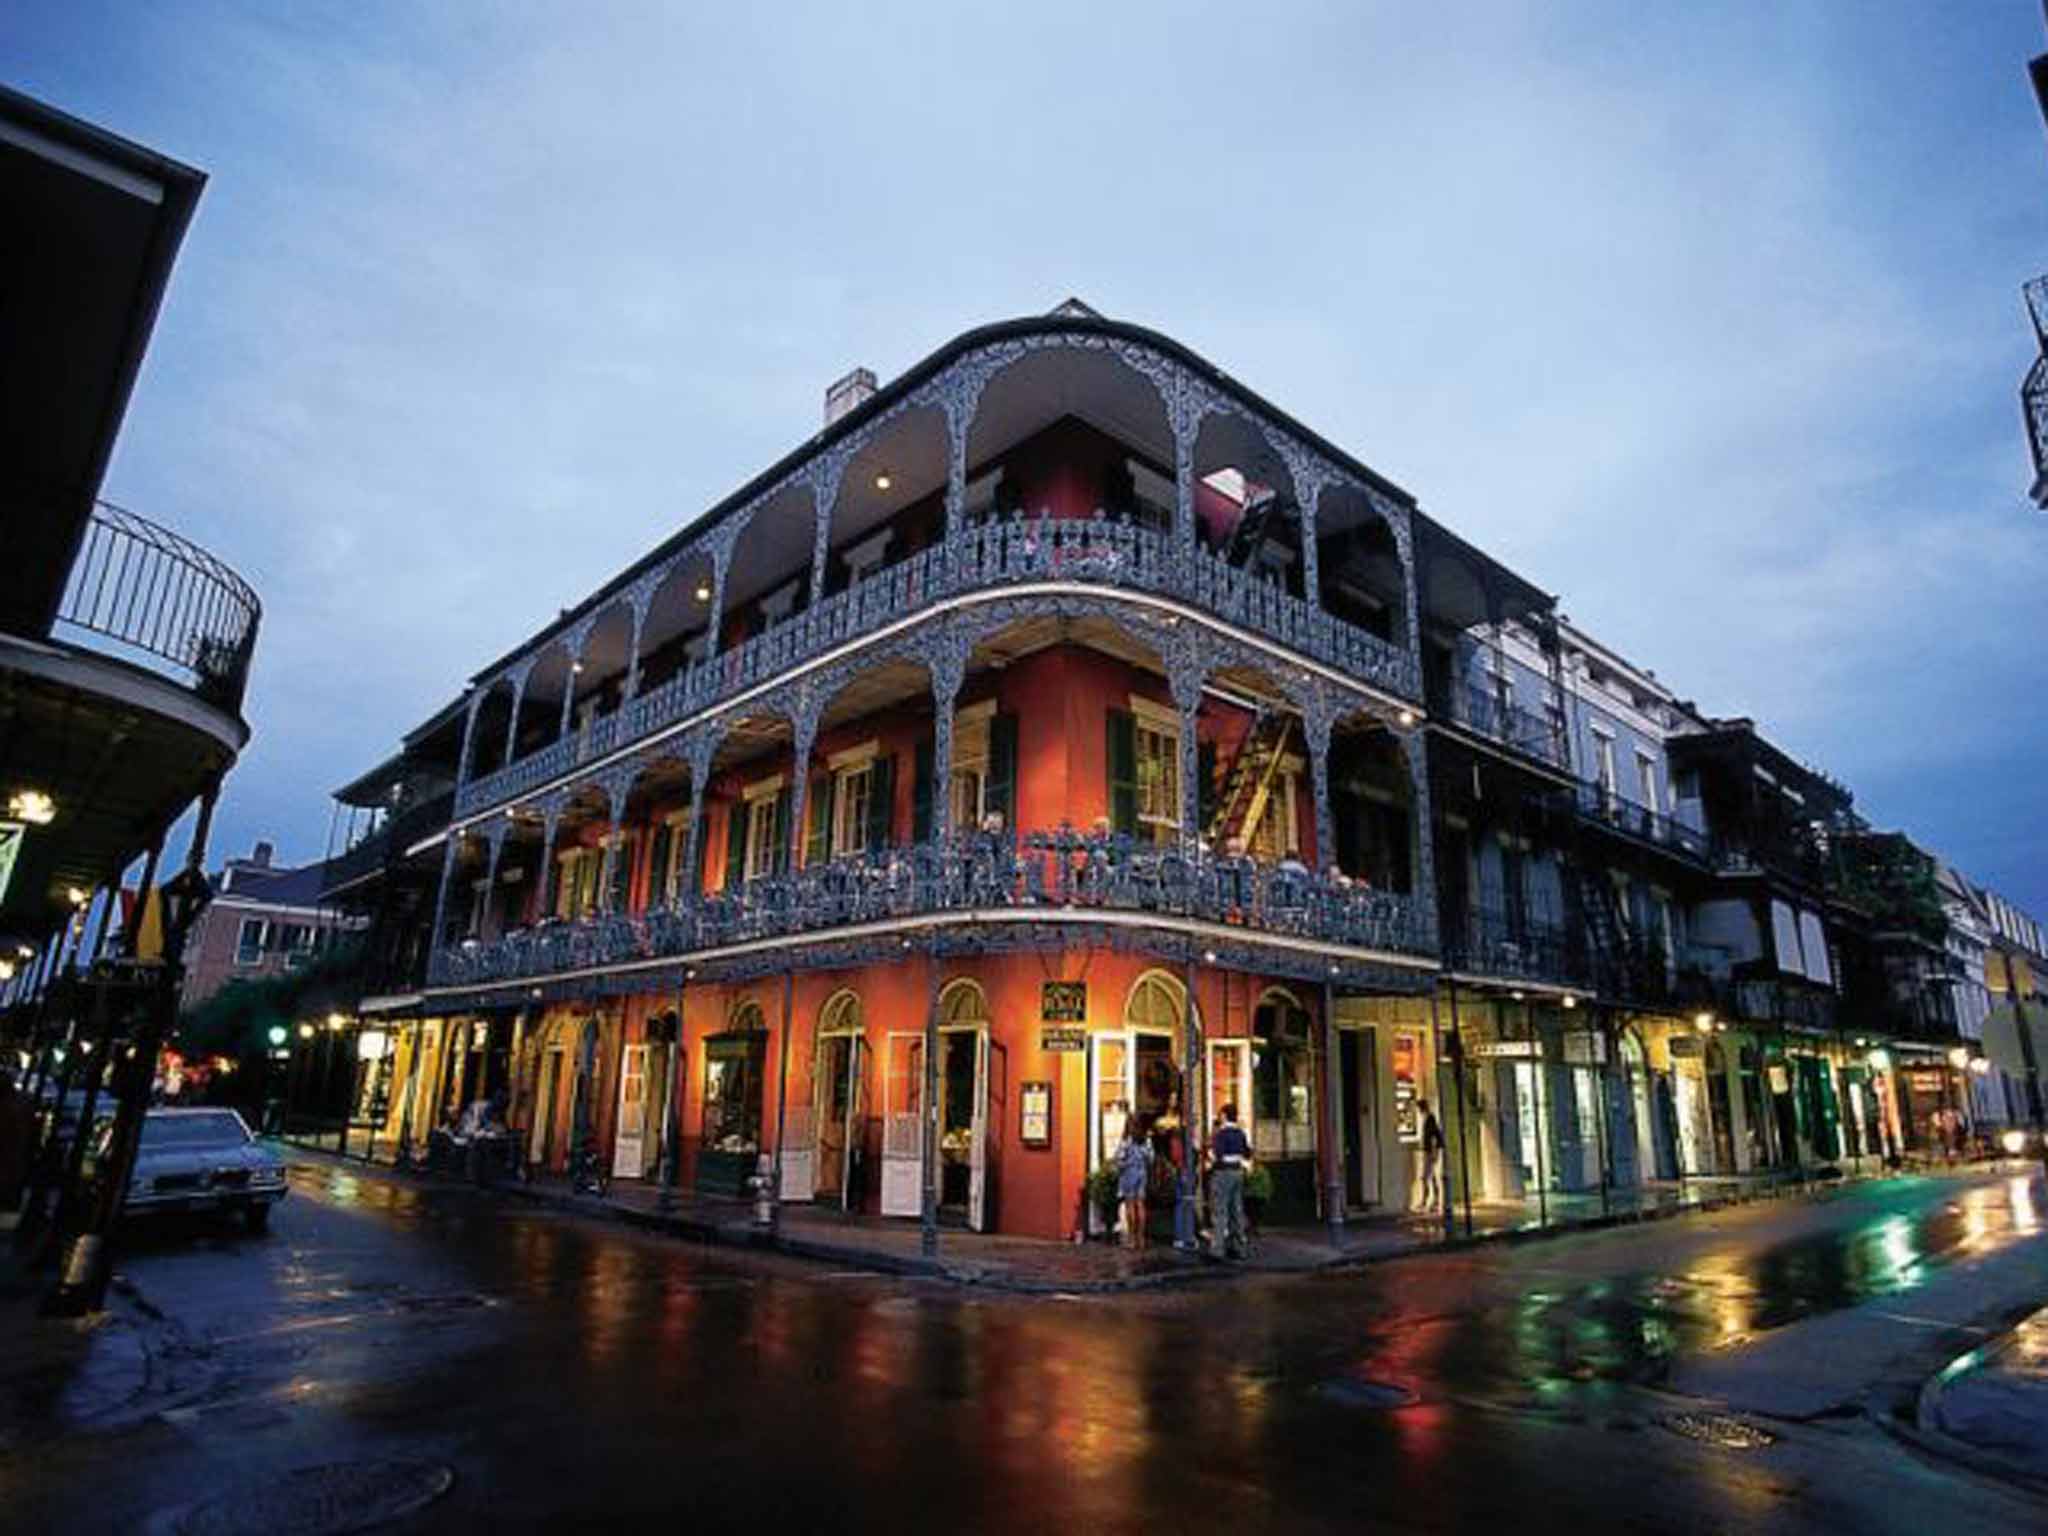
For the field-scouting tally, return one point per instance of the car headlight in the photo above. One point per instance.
(267, 1176)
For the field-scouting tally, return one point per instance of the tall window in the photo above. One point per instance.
(249, 942)
(763, 826)
(1158, 764)
(1646, 773)
(969, 789)
(853, 794)
(1603, 747)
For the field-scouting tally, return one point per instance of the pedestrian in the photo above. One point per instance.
(1432, 1158)
(1230, 1156)
(1133, 1173)
(14, 1138)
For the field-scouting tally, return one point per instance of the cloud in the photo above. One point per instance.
(1706, 319)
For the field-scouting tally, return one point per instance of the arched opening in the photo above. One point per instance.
(541, 713)
(654, 842)
(676, 632)
(1245, 509)
(599, 676)
(735, 1062)
(891, 501)
(970, 1088)
(838, 1102)
(1255, 784)
(574, 864)
(1283, 1112)
(1067, 432)
(769, 580)
(487, 736)
(1359, 565)
(1372, 807)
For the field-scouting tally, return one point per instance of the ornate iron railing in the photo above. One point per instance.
(1489, 941)
(160, 595)
(1602, 807)
(398, 831)
(1116, 554)
(1480, 711)
(1062, 871)
(2034, 408)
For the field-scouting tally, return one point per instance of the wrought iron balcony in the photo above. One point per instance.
(1063, 871)
(2034, 409)
(1601, 807)
(1483, 713)
(389, 841)
(163, 600)
(1116, 555)
(1492, 942)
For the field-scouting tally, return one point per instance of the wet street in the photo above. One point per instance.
(1716, 1373)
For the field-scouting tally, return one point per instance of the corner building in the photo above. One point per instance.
(1037, 749)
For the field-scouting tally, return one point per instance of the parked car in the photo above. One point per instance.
(204, 1160)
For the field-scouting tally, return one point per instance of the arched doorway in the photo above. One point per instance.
(735, 1063)
(972, 1082)
(646, 1072)
(823, 1159)
(1283, 1117)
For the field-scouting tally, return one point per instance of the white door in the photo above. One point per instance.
(977, 1147)
(1110, 1091)
(903, 1126)
(631, 1144)
(800, 1153)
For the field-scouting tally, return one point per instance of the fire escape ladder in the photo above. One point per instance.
(1605, 928)
(1249, 779)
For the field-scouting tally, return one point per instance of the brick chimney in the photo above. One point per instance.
(848, 394)
(261, 857)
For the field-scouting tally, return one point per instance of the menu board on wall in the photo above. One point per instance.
(1034, 1127)
(1407, 1085)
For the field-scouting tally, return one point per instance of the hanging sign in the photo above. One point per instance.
(1063, 1039)
(1518, 1050)
(1063, 1002)
(1034, 1114)
(1688, 1047)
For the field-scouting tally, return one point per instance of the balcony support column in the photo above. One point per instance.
(1186, 669)
(1186, 418)
(700, 751)
(551, 822)
(615, 796)
(494, 834)
(1422, 837)
(434, 938)
(803, 725)
(1318, 720)
(518, 676)
(947, 660)
(468, 757)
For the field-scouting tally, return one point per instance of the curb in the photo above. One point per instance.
(1921, 1432)
(744, 1235)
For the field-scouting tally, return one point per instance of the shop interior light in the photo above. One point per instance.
(1570, 1001)
(31, 806)
(1979, 1065)
(6, 970)
(1959, 1057)
(336, 1021)
(1703, 1022)
(79, 895)
(371, 1044)
(1880, 1060)
(2014, 1141)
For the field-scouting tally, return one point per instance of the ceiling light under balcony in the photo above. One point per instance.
(1406, 717)
(882, 481)
(31, 806)
(703, 593)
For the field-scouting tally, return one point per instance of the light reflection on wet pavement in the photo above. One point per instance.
(559, 1364)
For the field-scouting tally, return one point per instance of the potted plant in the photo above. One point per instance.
(1100, 1192)
(1258, 1190)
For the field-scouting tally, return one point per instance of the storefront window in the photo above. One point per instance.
(1283, 1077)
(732, 1093)
(1407, 1084)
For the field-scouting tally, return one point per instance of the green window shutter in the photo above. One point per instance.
(736, 846)
(1122, 760)
(921, 795)
(1205, 783)
(882, 803)
(818, 834)
(780, 862)
(657, 865)
(1002, 768)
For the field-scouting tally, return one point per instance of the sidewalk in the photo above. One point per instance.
(1990, 1408)
(1035, 1265)
(56, 1373)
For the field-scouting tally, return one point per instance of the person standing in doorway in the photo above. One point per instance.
(1230, 1155)
(1133, 1173)
(1432, 1159)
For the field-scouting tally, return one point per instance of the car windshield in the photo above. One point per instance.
(212, 1129)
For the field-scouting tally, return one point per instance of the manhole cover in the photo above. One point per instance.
(1722, 1429)
(316, 1501)
(1359, 1392)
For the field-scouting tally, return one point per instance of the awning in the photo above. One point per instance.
(2002, 1043)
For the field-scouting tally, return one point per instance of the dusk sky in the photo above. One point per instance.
(1706, 318)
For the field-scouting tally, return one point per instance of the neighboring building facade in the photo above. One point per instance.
(262, 922)
(1064, 739)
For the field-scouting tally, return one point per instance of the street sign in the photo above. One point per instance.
(1062, 1039)
(1063, 1002)
(1517, 1050)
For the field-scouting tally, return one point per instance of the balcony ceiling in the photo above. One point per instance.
(120, 751)
(98, 221)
